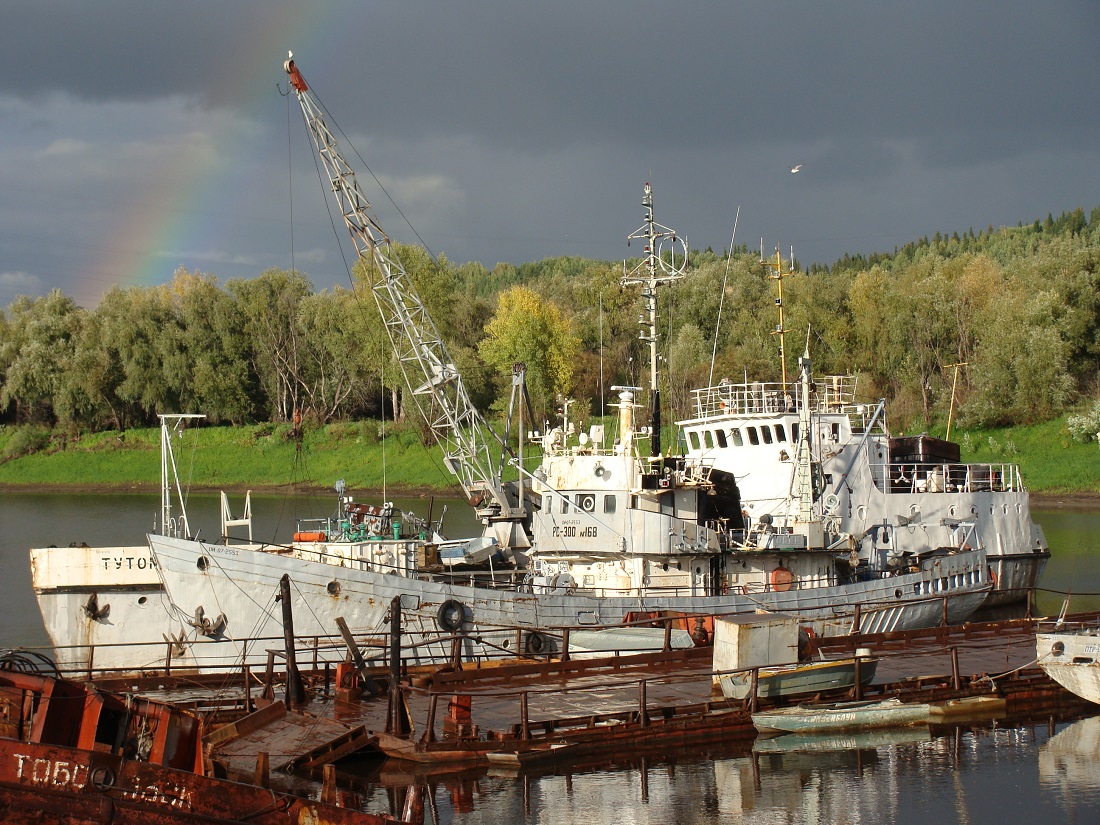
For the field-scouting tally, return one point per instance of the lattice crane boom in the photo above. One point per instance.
(437, 389)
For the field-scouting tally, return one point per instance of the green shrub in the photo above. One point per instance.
(1085, 426)
(26, 441)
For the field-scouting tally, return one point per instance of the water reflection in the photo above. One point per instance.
(1074, 538)
(1012, 775)
(1067, 761)
(1009, 775)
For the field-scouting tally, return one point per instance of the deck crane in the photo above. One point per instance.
(454, 421)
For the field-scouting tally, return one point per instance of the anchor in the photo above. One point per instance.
(210, 629)
(179, 644)
(93, 611)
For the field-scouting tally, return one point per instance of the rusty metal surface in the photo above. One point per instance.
(515, 713)
(51, 784)
(290, 739)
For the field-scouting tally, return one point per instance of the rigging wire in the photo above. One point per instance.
(722, 299)
(355, 291)
(382, 392)
(602, 390)
(290, 181)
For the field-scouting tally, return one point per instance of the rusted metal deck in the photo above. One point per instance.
(550, 710)
(541, 709)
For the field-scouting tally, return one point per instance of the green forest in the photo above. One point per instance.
(1016, 308)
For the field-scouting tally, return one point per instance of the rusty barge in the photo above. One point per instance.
(71, 753)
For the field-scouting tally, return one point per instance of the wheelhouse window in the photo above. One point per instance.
(754, 438)
(735, 434)
(766, 434)
(720, 437)
(609, 504)
(708, 440)
(780, 433)
(693, 437)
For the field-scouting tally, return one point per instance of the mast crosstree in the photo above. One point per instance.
(652, 271)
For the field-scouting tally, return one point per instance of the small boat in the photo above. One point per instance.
(70, 753)
(968, 707)
(792, 680)
(841, 716)
(1071, 657)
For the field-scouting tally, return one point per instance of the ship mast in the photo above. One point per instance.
(172, 424)
(651, 272)
(780, 329)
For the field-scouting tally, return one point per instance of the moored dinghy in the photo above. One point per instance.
(841, 716)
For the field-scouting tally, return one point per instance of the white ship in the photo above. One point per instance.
(106, 608)
(598, 532)
(1071, 657)
(898, 497)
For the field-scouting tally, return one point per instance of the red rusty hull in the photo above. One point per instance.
(52, 785)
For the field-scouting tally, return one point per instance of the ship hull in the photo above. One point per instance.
(242, 583)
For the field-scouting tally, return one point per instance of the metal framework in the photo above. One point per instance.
(652, 271)
(438, 391)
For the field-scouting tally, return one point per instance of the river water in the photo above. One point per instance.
(1034, 774)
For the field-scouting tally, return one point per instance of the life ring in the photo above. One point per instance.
(535, 643)
(781, 578)
(992, 576)
(451, 615)
(102, 778)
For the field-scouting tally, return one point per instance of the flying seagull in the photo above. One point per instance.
(795, 168)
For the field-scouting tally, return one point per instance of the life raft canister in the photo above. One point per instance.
(781, 578)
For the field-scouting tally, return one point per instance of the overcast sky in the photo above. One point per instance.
(138, 137)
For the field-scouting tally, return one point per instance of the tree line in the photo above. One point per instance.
(1016, 308)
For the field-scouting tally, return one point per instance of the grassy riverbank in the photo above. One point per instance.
(267, 456)
(231, 458)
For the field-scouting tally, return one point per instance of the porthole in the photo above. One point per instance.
(203, 563)
(333, 588)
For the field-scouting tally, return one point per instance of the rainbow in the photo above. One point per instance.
(182, 212)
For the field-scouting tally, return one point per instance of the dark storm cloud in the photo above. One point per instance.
(513, 131)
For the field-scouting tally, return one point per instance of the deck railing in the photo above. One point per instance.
(832, 393)
(927, 477)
